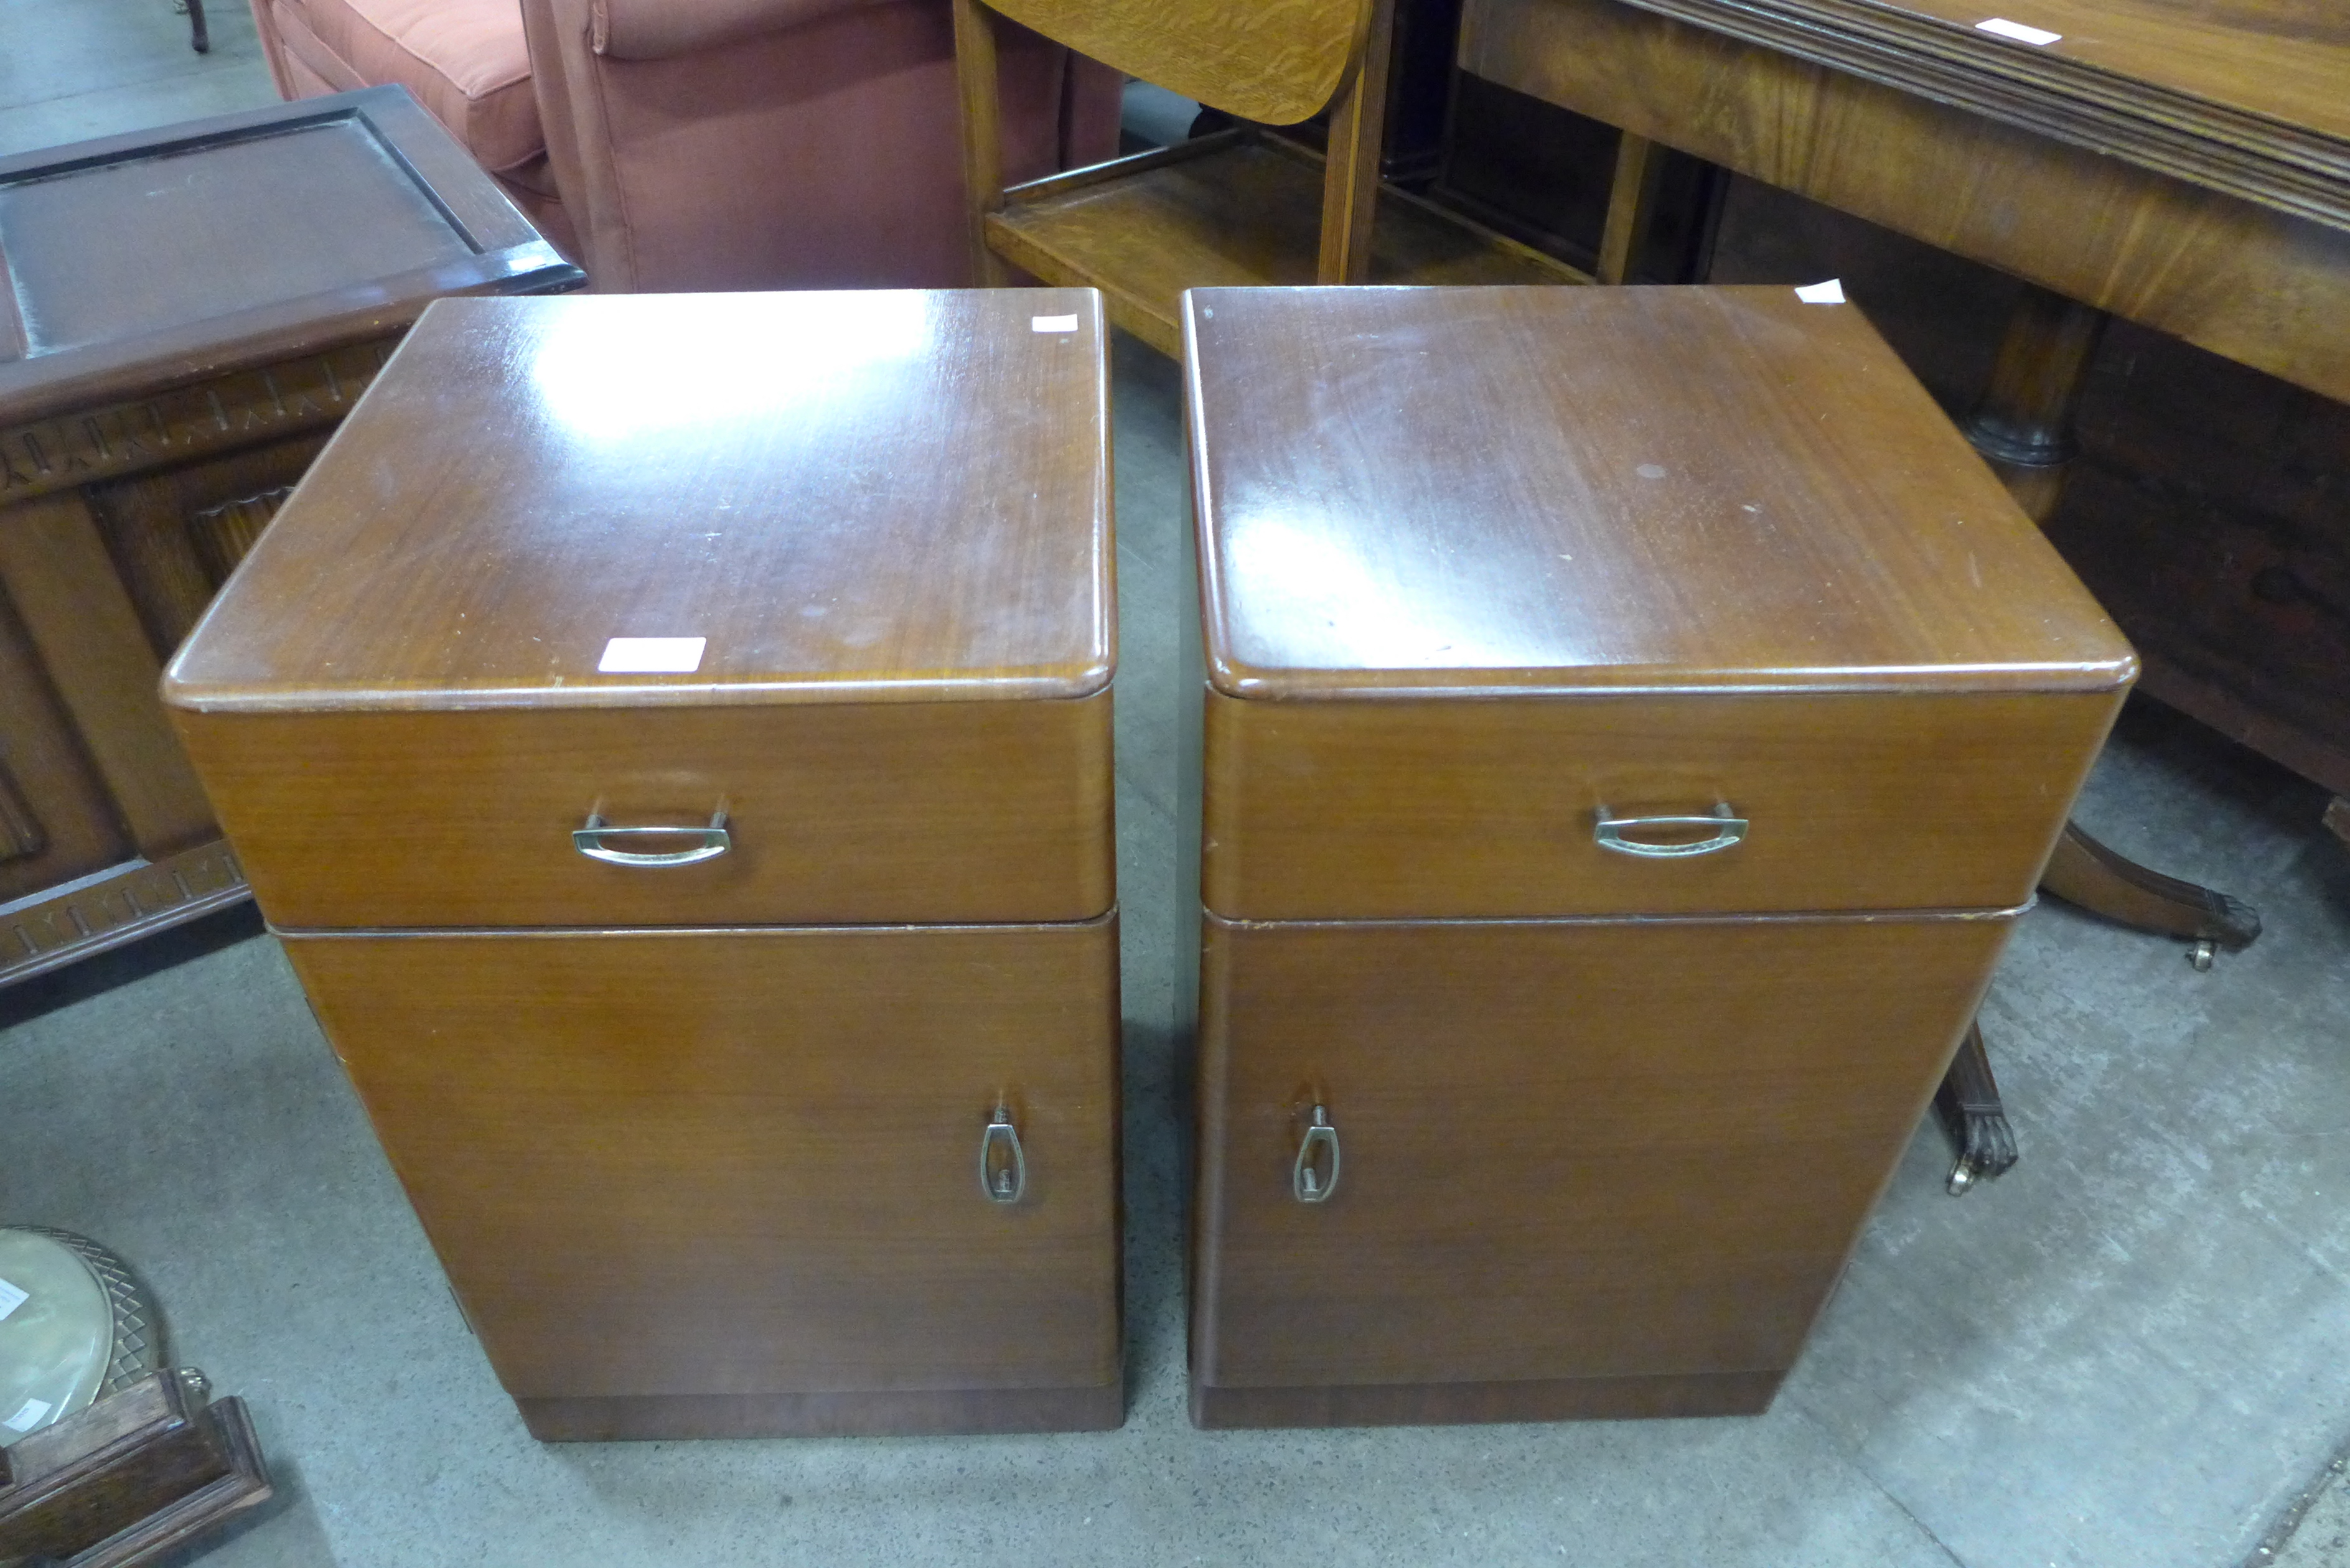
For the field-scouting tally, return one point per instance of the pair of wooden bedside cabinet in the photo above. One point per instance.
(671, 736)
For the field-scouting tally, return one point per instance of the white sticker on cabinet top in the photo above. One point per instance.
(2018, 31)
(1052, 324)
(11, 1298)
(652, 655)
(1828, 293)
(27, 1417)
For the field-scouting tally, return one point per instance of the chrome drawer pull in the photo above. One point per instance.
(1310, 1185)
(595, 841)
(1609, 834)
(1003, 1167)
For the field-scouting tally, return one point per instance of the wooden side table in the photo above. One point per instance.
(188, 312)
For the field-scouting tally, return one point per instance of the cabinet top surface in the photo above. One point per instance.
(765, 498)
(1554, 490)
(137, 261)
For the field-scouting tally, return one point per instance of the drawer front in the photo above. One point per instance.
(1462, 809)
(1564, 1150)
(746, 1163)
(919, 812)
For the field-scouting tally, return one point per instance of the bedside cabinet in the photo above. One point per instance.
(672, 735)
(1634, 721)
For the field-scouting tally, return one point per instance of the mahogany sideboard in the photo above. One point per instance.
(187, 314)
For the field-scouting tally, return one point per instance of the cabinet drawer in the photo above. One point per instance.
(746, 1163)
(1566, 1150)
(1453, 808)
(836, 813)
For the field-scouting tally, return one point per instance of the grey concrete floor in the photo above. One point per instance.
(2131, 1352)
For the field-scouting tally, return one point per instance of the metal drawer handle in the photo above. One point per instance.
(1312, 1185)
(1002, 1166)
(1610, 833)
(595, 841)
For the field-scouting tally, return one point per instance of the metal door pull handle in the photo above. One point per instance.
(595, 841)
(1312, 1185)
(1002, 1165)
(1613, 833)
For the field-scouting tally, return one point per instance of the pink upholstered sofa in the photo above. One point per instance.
(711, 144)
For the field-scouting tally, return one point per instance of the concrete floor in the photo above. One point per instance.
(2128, 1353)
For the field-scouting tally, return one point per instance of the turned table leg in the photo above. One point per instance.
(2023, 428)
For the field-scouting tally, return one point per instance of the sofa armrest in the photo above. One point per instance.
(662, 29)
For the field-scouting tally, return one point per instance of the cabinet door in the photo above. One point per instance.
(1562, 1150)
(750, 1162)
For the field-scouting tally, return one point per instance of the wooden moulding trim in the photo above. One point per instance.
(879, 1413)
(120, 904)
(2263, 161)
(221, 414)
(1440, 1404)
(570, 933)
(1614, 922)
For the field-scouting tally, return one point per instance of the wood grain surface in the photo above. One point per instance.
(852, 497)
(1518, 491)
(1440, 808)
(2251, 262)
(745, 1163)
(1604, 1149)
(1275, 61)
(1247, 212)
(56, 570)
(853, 813)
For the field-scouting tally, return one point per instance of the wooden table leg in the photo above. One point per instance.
(200, 39)
(2023, 428)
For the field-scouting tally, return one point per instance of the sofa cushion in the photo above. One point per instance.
(464, 61)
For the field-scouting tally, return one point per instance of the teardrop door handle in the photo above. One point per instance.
(1003, 1163)
(1316, 1175)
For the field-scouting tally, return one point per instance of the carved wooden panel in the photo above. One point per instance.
(228, 411)
(175, 533)
(54, 811)
(39, 933)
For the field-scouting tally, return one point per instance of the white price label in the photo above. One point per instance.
(2018, 31)
(652, 655)
(11, 1298)
(1828, 293)
(1053, 323)
(28, 1415)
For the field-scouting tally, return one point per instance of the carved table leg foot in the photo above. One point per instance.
(2085, 872)
(1968, 1105)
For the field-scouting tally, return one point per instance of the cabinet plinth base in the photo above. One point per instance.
(947, 1412)
(1449, 1404)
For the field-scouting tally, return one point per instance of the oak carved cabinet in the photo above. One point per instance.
(1633, 722)
(185, 312)
(672, 735)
